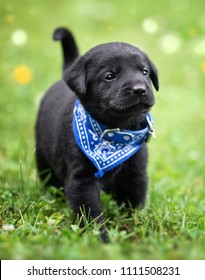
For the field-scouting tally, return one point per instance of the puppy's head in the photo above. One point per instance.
(113, 82)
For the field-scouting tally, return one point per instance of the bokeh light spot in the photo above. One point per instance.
(19, 37)
(170, 43)
(179, 5)
(199, 47)
(9, 7)
(150, 25)
(101, 10)
(10, 108)
(33, 11)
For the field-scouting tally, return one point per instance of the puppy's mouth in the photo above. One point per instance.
(133, 110)
(131, 105)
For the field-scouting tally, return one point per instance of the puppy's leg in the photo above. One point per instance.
(132, 191)
(84, 195)
(131, 184)
(46, 174)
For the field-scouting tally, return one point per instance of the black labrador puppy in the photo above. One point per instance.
(93, 125)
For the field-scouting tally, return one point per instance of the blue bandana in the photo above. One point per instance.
(107, 148)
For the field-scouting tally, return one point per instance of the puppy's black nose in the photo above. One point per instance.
(139, 89)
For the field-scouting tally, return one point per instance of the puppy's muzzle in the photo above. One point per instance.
(141, 93)
(139, 89)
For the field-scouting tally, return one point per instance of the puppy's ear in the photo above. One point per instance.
(154, 75)
(75, 77)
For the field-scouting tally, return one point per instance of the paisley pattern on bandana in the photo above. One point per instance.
(106, 148)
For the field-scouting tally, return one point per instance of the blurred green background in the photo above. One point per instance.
(173, 34)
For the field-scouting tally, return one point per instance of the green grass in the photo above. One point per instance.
(34, 223)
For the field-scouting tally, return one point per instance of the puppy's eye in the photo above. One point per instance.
(145, 72)
(109, 76)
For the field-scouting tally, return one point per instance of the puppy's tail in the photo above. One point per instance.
(70, 50)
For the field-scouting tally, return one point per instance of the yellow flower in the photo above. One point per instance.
(109, 27)
(192, 32)
(203, 67)
(22, 74)
(9, 18)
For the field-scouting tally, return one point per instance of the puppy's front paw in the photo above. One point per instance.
(104, 236)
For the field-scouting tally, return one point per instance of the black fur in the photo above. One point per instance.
(113, 82)
(70, 50)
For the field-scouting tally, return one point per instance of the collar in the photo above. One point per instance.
(107, 148)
